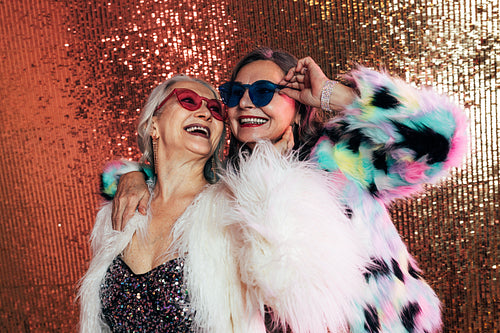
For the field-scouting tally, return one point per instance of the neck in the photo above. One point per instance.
(179, 179)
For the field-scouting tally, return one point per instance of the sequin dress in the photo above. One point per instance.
(156, 301)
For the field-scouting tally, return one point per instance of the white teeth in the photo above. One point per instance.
(197, 128)
(252, 121)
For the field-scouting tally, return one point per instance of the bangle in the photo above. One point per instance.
(326, 92)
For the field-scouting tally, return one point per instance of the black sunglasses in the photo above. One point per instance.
(261, 92)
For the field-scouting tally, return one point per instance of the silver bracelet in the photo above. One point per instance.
(326, 92)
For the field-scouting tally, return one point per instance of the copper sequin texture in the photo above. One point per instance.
(74, 75)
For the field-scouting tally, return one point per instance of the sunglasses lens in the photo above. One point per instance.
(189, 100)
(225, 92)
(262, 92)
(216, 109)
(231, 93)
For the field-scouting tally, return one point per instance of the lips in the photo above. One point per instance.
(251, 121)
(199, 130)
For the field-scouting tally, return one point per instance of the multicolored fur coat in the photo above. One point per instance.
(386, 145)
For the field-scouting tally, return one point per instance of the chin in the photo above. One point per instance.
(252, 136)
(250, 140)
(201, 150)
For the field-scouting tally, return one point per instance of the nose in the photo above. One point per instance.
(246, 101)
(203, 112)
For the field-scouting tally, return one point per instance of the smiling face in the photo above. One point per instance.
(182, 132)
(250, 123)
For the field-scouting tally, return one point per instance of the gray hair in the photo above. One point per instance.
(146, 122)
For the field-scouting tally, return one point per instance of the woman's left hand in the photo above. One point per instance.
(286, 143)
(307, 79)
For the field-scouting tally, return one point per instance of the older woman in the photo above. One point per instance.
(135, 282)
(388, 141)
(194, 263)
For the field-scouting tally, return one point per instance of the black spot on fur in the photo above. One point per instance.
(373, 189)
(335, 133)
(340, 132)
(355, 138)
(348, 212)
(413, 272)
(379, 161)
(424, 141)
(372, 324)
(354, 143)
(397, 270)
(408, 314)
(383, 99)
(377, 268)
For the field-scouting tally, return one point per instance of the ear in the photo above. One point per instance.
(155, 132)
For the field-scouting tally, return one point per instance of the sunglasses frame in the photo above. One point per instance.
(227, 88)
(199, 102)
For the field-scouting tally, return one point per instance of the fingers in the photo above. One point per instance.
(286, 143)
(294, 76)
(294, 83)
(128, 213)
(290, 140)
(143, 204)
(117, 213)
(132, 193)
(124, 208)
(292, 92)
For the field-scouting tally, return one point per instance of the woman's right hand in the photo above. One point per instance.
(132, 193)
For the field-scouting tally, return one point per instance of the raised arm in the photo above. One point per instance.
(314, 87)
(393, 138)
(125, 182)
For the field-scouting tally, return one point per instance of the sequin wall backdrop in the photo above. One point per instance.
(74, 74)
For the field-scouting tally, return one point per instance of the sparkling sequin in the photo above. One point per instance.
(156, 301)
(75, 74)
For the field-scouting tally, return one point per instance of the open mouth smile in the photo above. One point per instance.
(198, 130)
(250, 121)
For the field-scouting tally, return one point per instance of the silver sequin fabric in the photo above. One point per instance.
(156, 301)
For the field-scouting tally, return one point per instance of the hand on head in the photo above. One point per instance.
(305, 82)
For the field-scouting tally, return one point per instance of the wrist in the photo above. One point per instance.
(326, 93)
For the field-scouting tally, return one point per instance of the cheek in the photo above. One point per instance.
(218, 132)
(232, 120)
(231, 114)
(283, 111)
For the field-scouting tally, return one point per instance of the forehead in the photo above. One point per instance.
(260, 70)
(197, 87)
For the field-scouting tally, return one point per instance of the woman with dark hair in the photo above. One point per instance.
(388, 140)
(190, 265)
(311, 120)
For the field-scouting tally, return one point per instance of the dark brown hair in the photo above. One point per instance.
(311, 119)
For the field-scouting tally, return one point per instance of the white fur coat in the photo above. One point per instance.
(272, 233)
